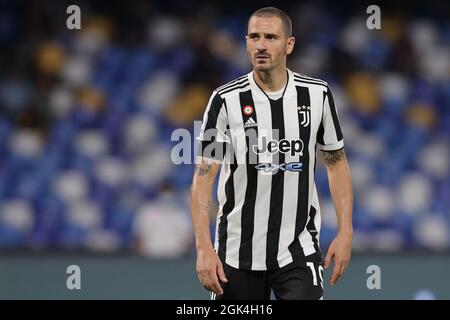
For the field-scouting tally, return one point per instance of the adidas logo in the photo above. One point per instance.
(250, 123)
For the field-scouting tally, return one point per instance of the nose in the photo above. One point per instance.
(261, 46)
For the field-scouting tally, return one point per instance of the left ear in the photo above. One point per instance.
(290, 45)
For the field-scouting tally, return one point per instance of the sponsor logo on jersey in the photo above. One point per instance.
(284, 146)
(250, 123)
(270, 167)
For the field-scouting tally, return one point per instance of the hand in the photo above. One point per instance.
(210, 270)
(339, 250)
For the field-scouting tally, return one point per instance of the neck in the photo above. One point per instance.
(273, 80)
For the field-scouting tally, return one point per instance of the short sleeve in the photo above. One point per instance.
(213, 135)
(329, 135)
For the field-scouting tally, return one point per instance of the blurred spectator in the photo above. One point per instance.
(163, 228)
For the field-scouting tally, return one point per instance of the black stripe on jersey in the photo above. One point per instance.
(235, 87)
(302, 82)
(311, 227)
(216, 150)
(303, 99)
(299, 77)
(230, 83)
(211, 131)
(248, 209)
(234, 83)
(337, 127)
(320, 133)
(213, 112)
(227, 208)
(277, 190)
(321, 130)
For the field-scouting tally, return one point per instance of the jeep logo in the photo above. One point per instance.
(283, 146)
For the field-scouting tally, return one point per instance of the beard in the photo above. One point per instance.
(259, 67)
(266, 66)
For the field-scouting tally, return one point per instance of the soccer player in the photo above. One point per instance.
(268, 222)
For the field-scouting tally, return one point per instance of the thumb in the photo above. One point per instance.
(221, 273)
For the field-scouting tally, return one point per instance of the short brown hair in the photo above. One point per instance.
(272, 11)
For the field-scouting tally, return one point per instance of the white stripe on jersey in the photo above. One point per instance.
(316, 95)
(290, 180)
(263, 189)
(240, 185)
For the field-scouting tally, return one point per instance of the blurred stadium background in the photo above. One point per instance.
(86, 117)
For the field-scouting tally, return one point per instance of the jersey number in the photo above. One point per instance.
(313, 271)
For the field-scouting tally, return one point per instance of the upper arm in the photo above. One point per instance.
(205, 170)
(332, 158)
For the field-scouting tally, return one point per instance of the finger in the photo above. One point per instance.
(205, 281)
(341, 271)
(328, 258)
(336, 270)
(344, 268)
(215, 285)
(221, 273)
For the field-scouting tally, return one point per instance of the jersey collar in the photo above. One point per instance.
(259, 93)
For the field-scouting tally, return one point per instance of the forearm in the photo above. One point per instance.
(340, 184)
(201, 202)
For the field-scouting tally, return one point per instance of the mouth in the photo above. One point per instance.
(261, 57)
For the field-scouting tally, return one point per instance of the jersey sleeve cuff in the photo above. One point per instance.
(331, 147)
(218, 138)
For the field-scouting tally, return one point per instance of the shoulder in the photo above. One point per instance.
(232, 87)
(300, 79)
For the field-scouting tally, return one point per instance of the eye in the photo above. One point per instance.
(253, 36)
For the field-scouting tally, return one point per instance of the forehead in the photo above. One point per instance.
(269, 24)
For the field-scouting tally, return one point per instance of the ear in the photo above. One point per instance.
(290, 45)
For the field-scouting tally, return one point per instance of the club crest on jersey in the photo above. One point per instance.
(248, 110)
(304, 112)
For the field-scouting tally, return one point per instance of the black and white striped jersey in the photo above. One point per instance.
(269, 211)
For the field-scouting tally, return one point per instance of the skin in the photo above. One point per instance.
(209, 267)
(268, 47)
(340, 184)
